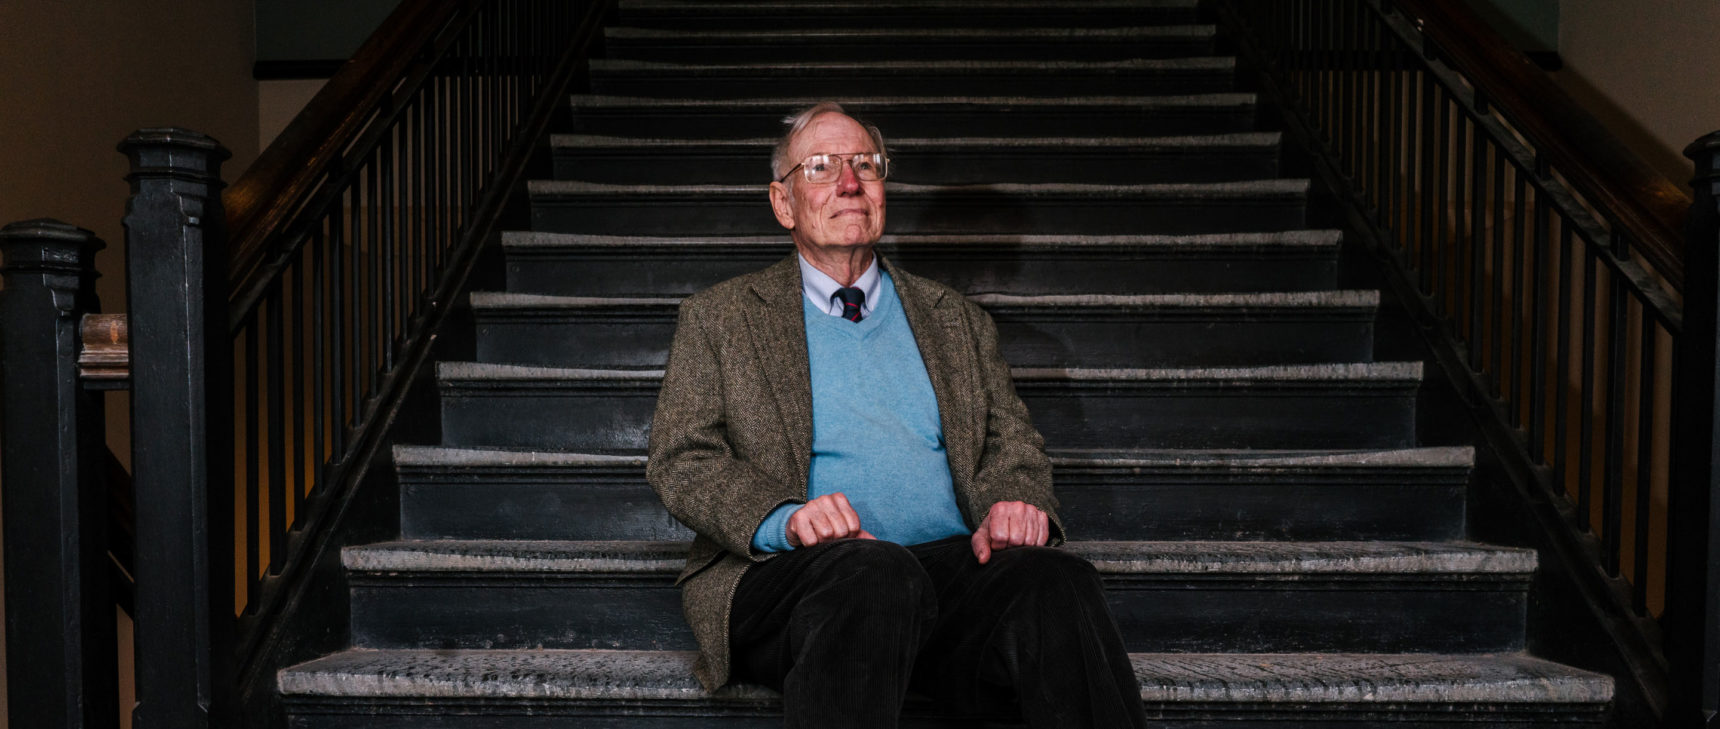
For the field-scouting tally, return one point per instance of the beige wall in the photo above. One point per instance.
(1648, 70)
(77, 76)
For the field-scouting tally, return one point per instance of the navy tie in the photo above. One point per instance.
(851, 298)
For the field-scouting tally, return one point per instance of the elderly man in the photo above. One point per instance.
(871, 502)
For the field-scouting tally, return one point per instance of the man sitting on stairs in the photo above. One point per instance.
(871, 502)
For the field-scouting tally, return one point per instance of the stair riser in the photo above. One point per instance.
(994, 269)
(1217, 339)
(640, 214)
(801, 49)
(1168, 509)
(1171, 614)
(569, 417)
(717, 17)
(779, 81)
(898, 122)
(1328, 416)
(955, 166)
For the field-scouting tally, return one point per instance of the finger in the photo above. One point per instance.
(845, 510)
(1044, 529)
(981, 547)
(805, 533)
(863, 534)
(825, 525)
(1018, 526)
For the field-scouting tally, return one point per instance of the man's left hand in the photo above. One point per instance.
(1010, 524)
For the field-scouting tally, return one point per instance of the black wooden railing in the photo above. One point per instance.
(274, 331)
(1554, 264)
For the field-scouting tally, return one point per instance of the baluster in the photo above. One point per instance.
(1692, 615)
(182, 428)
(59, 612)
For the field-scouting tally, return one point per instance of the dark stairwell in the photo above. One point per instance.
(1284, 539)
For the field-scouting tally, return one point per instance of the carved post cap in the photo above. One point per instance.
(174, 152)
(1705, 152)
(44, 244)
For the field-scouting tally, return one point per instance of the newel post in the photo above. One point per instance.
(182, 429)
(61, 667)
(1692, 616)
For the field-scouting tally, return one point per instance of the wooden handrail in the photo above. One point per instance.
(276, 185)
(1644, 204)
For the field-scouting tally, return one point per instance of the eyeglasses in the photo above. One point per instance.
(823, 169)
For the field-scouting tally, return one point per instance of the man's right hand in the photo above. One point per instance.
(823, 519)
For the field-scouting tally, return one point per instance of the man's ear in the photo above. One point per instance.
(780, 204)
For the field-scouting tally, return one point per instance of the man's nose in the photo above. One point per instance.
(849, 182)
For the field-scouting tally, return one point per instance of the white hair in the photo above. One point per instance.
(797, 122)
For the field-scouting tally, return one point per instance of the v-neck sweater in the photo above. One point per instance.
(876, 436)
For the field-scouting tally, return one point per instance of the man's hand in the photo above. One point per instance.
(1010, 524)
(823, 519)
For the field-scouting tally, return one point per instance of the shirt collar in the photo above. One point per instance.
(820, 288)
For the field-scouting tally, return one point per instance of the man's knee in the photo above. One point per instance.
(873, 571)
(1047, 571)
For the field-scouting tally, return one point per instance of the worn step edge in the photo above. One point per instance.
(1242, 140)
(1325, 241)
(788, 103)
(1224, 64)
(880, 5)
(1299, 678)
(1353, 374)
(1153, 32)
(1243, 190)
(497, 303)
(1115, 558)
(1437, 457)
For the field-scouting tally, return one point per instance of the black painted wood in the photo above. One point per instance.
(914, 78)
(182, 430)
(839, 44)
(901, 13)
(61, 648)
(578, 265)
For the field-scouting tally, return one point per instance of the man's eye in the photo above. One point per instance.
(863, 164)
(818, 164)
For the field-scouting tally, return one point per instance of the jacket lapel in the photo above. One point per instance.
(937, 324)
(776, 324)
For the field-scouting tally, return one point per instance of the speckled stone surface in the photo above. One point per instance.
(1316, 239)
(1442, 457)
(1352, 372)
(482, 372)
(1165, 678)
(1111, 558)
(432, 456)
(1250, 140)
(1073, 5)
(1248, 189)
(501, 301)
(949, 68)
(1078, 305)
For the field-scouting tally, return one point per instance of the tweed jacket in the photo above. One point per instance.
(731, 439)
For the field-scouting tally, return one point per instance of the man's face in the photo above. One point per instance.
(826, 218)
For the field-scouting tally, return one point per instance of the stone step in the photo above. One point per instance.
(1201, 75)
(1154, 330)
(768, 14)
(904, 43)
(1410, 494)
(594, 265)
(539, 689)
(1166, 596)
(923, 116)
(933, 161)
(563, 206)
(1350, 406)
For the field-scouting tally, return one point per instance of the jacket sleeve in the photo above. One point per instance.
(693, 465)
(1012, 462)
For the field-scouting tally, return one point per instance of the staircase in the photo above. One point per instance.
(1279, 548)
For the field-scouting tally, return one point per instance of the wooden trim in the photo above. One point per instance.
(1640, 202)
(106, 351)
(286, 173)
(316, 69)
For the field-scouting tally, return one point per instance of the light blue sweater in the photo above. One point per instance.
(876, 437)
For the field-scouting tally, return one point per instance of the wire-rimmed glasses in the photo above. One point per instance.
(823, 169)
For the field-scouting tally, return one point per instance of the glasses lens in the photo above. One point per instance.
(826, 168)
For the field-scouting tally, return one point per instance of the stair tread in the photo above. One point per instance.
(1350, 372)
(1134, 144)
(1096, 33)
(1316, 239)
(421, 456)
(879, 5)
(781, 103)
(1197, 63)
(1116, 558)
(1343, 299)
(1245, 188)
(1317, 678)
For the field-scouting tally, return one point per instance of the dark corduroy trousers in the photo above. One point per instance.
(845, 629)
